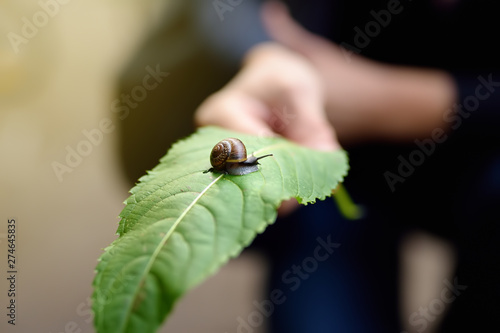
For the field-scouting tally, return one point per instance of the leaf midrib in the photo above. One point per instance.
(161, 244)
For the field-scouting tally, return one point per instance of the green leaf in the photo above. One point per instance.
(180, 224)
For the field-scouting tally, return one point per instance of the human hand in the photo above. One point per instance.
(277, 92)
(366, 99)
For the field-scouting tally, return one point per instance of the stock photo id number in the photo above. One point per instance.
(11, 271)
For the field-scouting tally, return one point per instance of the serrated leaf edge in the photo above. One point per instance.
(162, 243)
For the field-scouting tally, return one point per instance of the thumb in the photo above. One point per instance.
(286, 31)
(283, 28)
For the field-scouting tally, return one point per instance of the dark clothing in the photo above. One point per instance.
(449, 186)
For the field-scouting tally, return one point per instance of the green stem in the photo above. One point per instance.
(346, 206)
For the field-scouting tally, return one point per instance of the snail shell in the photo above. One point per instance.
(230, 150)
(230, 156)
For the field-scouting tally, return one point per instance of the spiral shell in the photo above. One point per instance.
(229, 150)
(229, 156)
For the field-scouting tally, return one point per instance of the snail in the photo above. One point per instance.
(230, 156)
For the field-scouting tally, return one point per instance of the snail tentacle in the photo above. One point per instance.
(229, 156)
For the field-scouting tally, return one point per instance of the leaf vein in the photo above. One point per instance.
(162, 242)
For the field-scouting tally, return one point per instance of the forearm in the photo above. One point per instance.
(415, 102)
(399, 103)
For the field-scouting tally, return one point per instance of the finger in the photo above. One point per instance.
(311, 128)
(295, 107)
(235, 111)
(281, 26)
(285, 30)
(287, 207)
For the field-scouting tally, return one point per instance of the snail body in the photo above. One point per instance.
(230, 156)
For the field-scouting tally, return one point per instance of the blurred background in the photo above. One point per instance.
(59, 76)
(79, 124)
